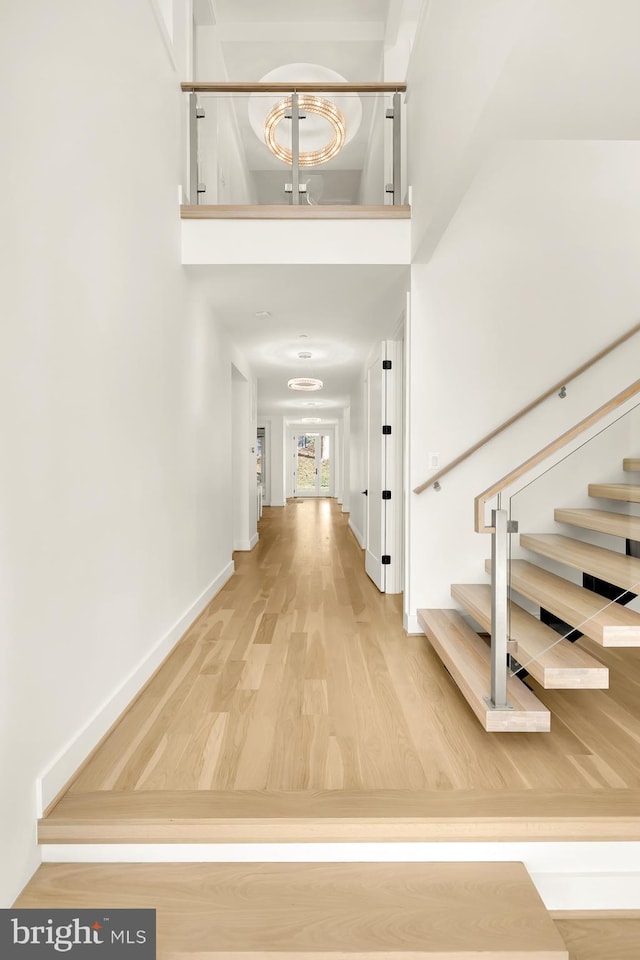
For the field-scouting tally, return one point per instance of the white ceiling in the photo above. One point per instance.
(288, 11)
(342, 310)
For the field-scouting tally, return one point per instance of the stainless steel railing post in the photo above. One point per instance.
(295, 149)
(499, 609)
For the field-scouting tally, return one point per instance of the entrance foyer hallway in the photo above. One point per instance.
(296, 706)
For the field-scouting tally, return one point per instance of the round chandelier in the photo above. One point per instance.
(327, 122)
(307, 103)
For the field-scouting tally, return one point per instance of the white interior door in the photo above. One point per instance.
(375, 511)
(383, 552)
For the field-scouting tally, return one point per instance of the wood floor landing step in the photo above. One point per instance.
(629, 492)
(320, 911)
(602, 521)
(551, 660)
(610, 625)
(468, 660)
(616, 568)
(631, 464)
(334, 816)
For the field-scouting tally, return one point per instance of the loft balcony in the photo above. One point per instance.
(296, 173)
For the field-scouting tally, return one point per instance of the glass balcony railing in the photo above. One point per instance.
(270, 145)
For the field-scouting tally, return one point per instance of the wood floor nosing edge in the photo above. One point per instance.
(291, 831)
(343, 816)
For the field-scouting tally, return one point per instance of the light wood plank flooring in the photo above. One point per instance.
(360, 907)
(416, 911)
(299, 678)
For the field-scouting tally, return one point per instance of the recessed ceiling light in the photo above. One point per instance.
(305, 355)
(311, 419)
(263, 315)
(312, 403)
(304, 383)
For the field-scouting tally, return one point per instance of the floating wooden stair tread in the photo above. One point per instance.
(611, 626)
(631, 464)
(468, 660)
(606, 564)
(616, 524)
(551, 660)
(324, 911)
(629, 492)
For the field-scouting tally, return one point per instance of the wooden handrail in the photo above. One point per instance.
(530, 406)
(482, 498)
(279, 211)
(293, 87)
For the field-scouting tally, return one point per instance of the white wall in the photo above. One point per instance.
(357, 459)
(525, 222)
(535, 274)
(296, 241)
(274, 426)
(458, 56)
(115, 392)
(345, 440)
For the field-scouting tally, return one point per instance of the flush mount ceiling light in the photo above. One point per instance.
(312, 420)
(305, 355)
(326, 123)
(304, 383)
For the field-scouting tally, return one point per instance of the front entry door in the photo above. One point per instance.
(312, 465)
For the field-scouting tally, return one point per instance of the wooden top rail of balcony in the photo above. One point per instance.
(293, 87)
(521, 413)
(277, 211)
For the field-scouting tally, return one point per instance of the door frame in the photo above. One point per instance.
(388, 578)
(297, 429)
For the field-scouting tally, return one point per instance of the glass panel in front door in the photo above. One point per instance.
(325, 483)
(306, 472)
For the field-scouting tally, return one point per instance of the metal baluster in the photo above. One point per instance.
(395, 114)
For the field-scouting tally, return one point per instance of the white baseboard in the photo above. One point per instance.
(245, 545)
(356, 534)
(603, 875)
(411, 625)
(53, 778)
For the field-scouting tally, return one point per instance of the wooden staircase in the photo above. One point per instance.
(550, 659)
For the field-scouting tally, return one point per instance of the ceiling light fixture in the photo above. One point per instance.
(305, 355)
(312, 420)
(263, 315)
(304, 383)
(307, 103)
(327, 123)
